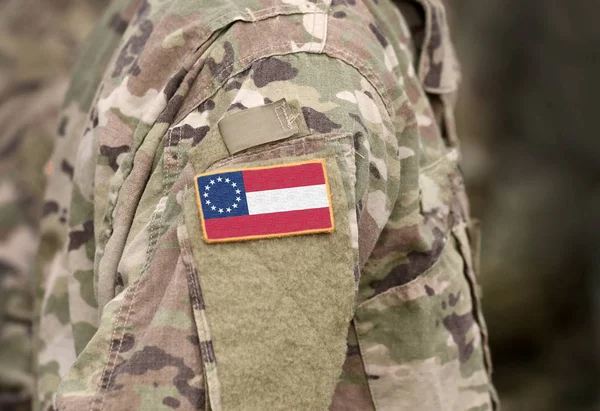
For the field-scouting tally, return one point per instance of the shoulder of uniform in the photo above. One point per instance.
(211, 43)
(352, 36)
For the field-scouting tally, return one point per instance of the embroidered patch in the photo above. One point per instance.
(262, 202)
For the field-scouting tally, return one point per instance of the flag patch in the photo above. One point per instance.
(262, 202)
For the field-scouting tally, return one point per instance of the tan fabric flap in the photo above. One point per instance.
(259, 125)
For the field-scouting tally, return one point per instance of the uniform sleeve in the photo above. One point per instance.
(288, 299)
(237, 279)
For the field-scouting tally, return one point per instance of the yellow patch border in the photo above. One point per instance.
(257, 237)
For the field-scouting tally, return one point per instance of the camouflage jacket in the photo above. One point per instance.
(381, 312)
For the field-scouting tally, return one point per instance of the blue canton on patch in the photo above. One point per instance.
(222, 195)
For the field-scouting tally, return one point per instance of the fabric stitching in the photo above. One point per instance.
(110, 350)
(149, 250)
(285, 114)
(325, 26)
(372, 78)
(262, 12)
(213, 25)
(245, 65)
(295, 143)
(351, 59)
(292, 120)
(195, 284)
(255, 237)
(278, 117)
(312, 36)
(289, 119)
(197, 292)
(344, 56)
(165, 159)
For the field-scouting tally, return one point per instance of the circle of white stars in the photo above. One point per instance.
(206, 195)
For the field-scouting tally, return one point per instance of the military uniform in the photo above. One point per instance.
(147, 307)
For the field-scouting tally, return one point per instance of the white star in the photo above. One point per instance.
(220, 211)
(219, 179)
(207, 202)
(212, 182)
(213, 208)
(238, 199)
(235, 206)
(205, 195)
(228, 210)
(227, 180)
(234, 185)
(207, 188)
(237, 191)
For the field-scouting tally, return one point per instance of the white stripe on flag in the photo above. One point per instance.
(287, 199)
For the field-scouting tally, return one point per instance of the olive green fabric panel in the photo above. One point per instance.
(279, 329)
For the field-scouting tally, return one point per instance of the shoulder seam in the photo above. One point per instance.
(364, 71)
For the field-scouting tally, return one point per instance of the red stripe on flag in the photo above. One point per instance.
(300, 175)
(268, 224)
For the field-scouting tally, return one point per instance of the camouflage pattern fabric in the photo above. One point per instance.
(23, 151)
(35, 58)
(126, 317)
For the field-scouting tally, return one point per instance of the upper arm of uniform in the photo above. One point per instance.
(304, 284)
(338, 106)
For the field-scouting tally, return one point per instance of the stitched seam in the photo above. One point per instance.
(357, 60)
(243, 62)
(292, 120)
(177, 152)
(312, 37)
(296, 143)
(285, 114)
(175, 167)
(351, 59)
(372, 78)
(280, 107)
(325, 26)
(247, 10)
(256, 15)
(215, 390)
(289, 118)
(195, 286)
(185, 250)
(166, 166)
(110, 351)
(245, 65)
(149, 250)
(262, 12)
(347, 57)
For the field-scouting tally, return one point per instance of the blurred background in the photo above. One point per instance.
(528, 114)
